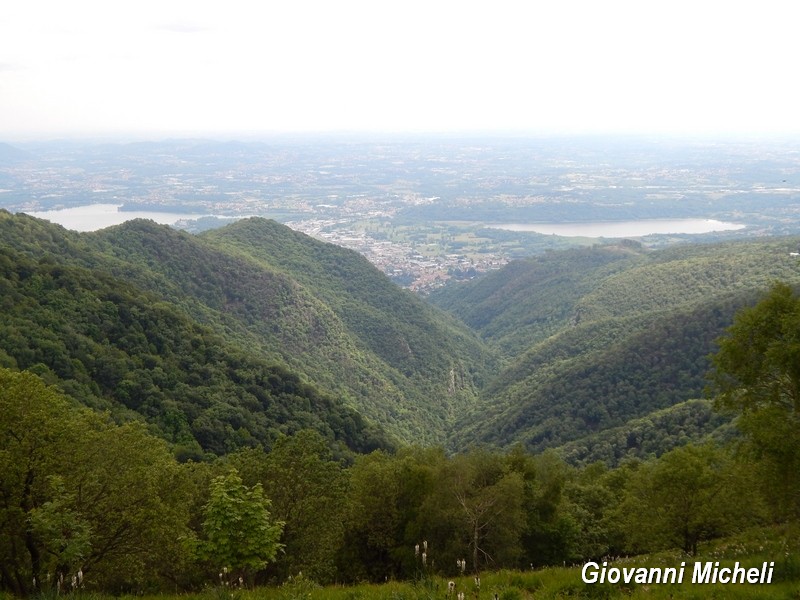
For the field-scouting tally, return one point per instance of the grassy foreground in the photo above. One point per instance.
(563, 582)
(750, 549)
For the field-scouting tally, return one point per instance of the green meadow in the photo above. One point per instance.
(750, 549)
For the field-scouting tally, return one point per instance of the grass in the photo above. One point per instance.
(545, 584)
(780, 545)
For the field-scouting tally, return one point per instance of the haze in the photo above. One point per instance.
(244, 68)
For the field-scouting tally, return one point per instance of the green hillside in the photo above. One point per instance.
(432, 359)
(529, 300)
(690, 422)
(593, 338)
(547, 352)
(396, 362)
(114, 347)
(141, 368)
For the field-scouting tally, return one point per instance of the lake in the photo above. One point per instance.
(622, 229)
(96, 216)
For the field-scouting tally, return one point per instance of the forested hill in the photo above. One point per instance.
(234, 326)
(429, 356)
(231, 337)
(595, 338)
(113, 347)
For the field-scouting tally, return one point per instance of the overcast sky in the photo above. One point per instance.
(237, 68)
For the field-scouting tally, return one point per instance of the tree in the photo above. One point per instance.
(240, 536)
(31, 436)
(387, 515)
(133, 494)
(689, 495)
(307, 490)
(551, 533)
(588, 497)
(373, 519)
(481, 502)
(756, 373)
(78, 493)
(758, 362)
(63, 533)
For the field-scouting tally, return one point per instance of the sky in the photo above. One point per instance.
(240, 68)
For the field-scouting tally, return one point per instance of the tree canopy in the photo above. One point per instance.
(239, 534)
(757, 375)
(80, 493)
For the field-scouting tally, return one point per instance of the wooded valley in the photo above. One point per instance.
(252, 399)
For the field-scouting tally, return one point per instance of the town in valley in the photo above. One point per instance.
(425, 210)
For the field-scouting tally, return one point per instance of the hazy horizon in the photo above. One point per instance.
(394, 136)
(155, 70)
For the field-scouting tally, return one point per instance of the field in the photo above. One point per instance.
(779, 545)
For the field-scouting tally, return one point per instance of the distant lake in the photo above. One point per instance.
(96, 216)
(621, 229)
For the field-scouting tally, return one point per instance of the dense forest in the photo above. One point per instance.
(598, 338)
(112, 347)
(111, 503)
(383, 354)
(248, 404)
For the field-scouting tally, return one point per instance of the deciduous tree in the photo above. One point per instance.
(756, 373)
(689, 495)
(307, 490)
(240, 535)
(78, 492)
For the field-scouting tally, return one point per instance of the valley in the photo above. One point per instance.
(253, 383)
(553, 351)
(420, 301)
(514, 321)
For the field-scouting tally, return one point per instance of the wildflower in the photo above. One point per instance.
(477, 582)
(425, 545)
(424, 558)
(416, 550)
(451, 587)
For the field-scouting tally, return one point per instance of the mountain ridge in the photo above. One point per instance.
(549, 352)
(267, 311)
(619, 332)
